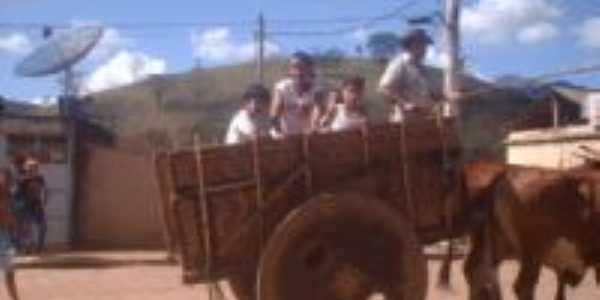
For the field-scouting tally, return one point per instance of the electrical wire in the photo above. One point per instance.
(365, 24)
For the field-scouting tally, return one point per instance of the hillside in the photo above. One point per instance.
(198, 102)
(167, 110)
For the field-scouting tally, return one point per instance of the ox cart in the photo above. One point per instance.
(328, 216)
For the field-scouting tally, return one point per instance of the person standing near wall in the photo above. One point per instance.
(17, 202)
(36, 194)
(7, 226)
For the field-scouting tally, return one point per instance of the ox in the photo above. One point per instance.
(538, 216)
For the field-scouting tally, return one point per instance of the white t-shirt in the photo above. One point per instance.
(242, 128)
(345, 119)
(416, 84)
(297, 109)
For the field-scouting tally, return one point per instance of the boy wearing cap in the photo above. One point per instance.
(244, 125)
(412, 87)
(296, 104)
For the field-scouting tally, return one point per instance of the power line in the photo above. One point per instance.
(128, 25)
(318, 21)
(353, 23)
(179, 24)
(365, 24)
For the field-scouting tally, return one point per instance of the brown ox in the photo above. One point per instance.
(538, 216)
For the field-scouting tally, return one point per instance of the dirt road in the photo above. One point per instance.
(144, 275)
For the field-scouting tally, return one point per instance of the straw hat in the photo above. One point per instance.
(417, 35)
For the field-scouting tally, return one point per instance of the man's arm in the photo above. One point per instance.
(389, 85)
(275, 111)
(330, 110)
(318, 111)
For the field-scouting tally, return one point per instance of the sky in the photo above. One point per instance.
(500, 37)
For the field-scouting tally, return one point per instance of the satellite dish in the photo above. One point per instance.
(60, 52)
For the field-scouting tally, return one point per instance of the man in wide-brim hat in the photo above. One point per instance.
(416, 36)
(412, 88)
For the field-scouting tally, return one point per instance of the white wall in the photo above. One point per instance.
(551, 148)
(58, 210)
(58, 179)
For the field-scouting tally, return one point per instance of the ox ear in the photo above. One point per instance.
(589, 190)
(585, 189)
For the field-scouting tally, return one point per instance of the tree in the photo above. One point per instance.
(332, 57)
(384, 45)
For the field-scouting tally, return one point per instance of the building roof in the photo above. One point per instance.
(552, 135)
(32, 125)
(573, 94)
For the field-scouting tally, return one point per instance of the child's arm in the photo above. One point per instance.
(318, 111)
(330, 111)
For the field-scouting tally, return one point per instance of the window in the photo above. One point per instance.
(47, 149)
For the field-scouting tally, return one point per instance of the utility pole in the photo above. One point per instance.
(260, 47)
(451, 109)
(452, 45)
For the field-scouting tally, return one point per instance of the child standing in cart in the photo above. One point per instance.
(245, 125)
(296, 106)
(345, 110)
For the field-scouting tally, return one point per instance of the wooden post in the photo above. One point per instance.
(308, 180)
(452, 45)
(555, 112)
(205, 217)
(260, 204)
(450, 109)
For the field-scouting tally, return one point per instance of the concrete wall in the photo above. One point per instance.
(118, 202)
(552, 148)
(58, 210)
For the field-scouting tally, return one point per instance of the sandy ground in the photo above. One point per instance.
(145, 275)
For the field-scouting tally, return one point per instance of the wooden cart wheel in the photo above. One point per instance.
(345, 246)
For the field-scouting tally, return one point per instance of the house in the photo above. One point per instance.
(46, 138)
(562, 128)
(102, 195)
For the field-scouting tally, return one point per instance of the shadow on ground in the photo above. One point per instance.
(84, 260)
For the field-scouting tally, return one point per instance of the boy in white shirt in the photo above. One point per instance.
(244, 126)
(348, 113)
(297, 100)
